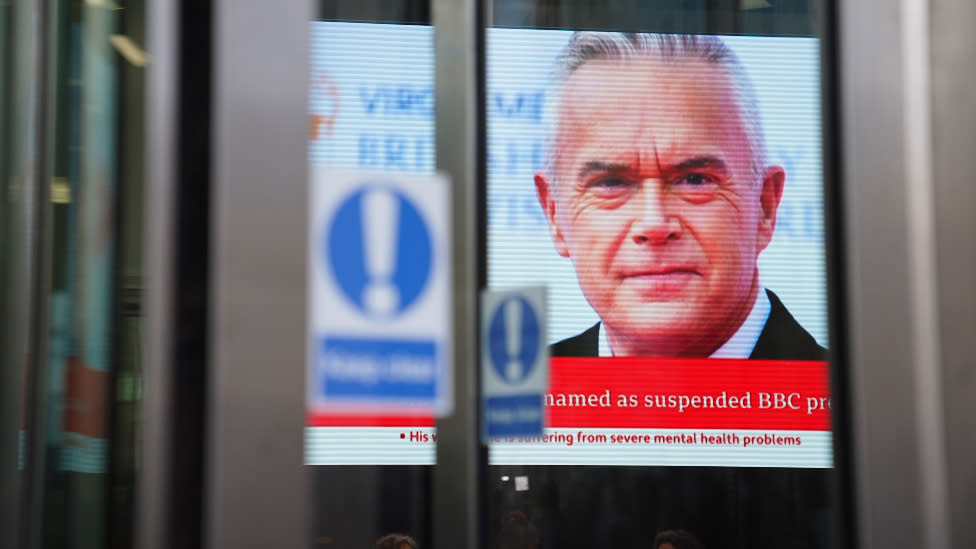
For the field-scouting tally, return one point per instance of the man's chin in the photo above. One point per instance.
(663, 336)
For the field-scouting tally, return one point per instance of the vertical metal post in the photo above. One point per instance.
(40, 243)
(892, 278)
(457, 48)
(14, 281)
(953, 114)
(162, 82)
(256, 483)
(923, 270)
(21, 172)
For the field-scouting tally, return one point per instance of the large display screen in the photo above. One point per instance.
(666, 190)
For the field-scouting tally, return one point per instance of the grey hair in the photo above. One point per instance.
(620, 48)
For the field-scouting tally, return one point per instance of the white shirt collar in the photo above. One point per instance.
(742, 342)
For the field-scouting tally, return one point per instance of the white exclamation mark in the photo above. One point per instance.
(513, 339)
(380, 214)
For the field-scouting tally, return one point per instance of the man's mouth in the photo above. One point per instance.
(661, 271)
(662, 281)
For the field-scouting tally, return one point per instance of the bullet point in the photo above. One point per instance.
(403, 435)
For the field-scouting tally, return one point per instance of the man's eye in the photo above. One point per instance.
(695, 180)
(609, 184)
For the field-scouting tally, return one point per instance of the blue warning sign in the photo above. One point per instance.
(513, 339)
(379, 251)
(515, 363)
(381, 302)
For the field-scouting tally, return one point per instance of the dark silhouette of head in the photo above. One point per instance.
(395, 541)
(517, 533)
(676, 539)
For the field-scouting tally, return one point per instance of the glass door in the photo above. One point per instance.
(371, 107)
(660, 170)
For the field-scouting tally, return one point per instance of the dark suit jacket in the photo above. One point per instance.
(781, 339)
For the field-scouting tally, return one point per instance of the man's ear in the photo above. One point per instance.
(769, 198)
(548, 203)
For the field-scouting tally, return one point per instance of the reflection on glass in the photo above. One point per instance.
(91, 347)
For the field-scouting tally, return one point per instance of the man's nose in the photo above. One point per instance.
(653, 222)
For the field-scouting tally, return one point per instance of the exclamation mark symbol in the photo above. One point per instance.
(380, 212)
(513, 339)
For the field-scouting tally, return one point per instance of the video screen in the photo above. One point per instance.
(666, 189)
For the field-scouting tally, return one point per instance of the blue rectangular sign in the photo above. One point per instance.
(513, 415)
(364, 369)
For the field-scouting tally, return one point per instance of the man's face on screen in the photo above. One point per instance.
(655, 198)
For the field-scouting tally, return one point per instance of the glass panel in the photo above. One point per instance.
(371, 106)
(659, 169)
(19, 87)
(667, 189)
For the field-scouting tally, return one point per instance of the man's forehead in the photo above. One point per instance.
(676, 107)
(644, 74)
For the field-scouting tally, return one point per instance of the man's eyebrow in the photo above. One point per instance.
(701, 163)
(600, 167)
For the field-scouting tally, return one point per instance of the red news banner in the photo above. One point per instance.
(689, 394)
(628, 411)
(642, 393)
